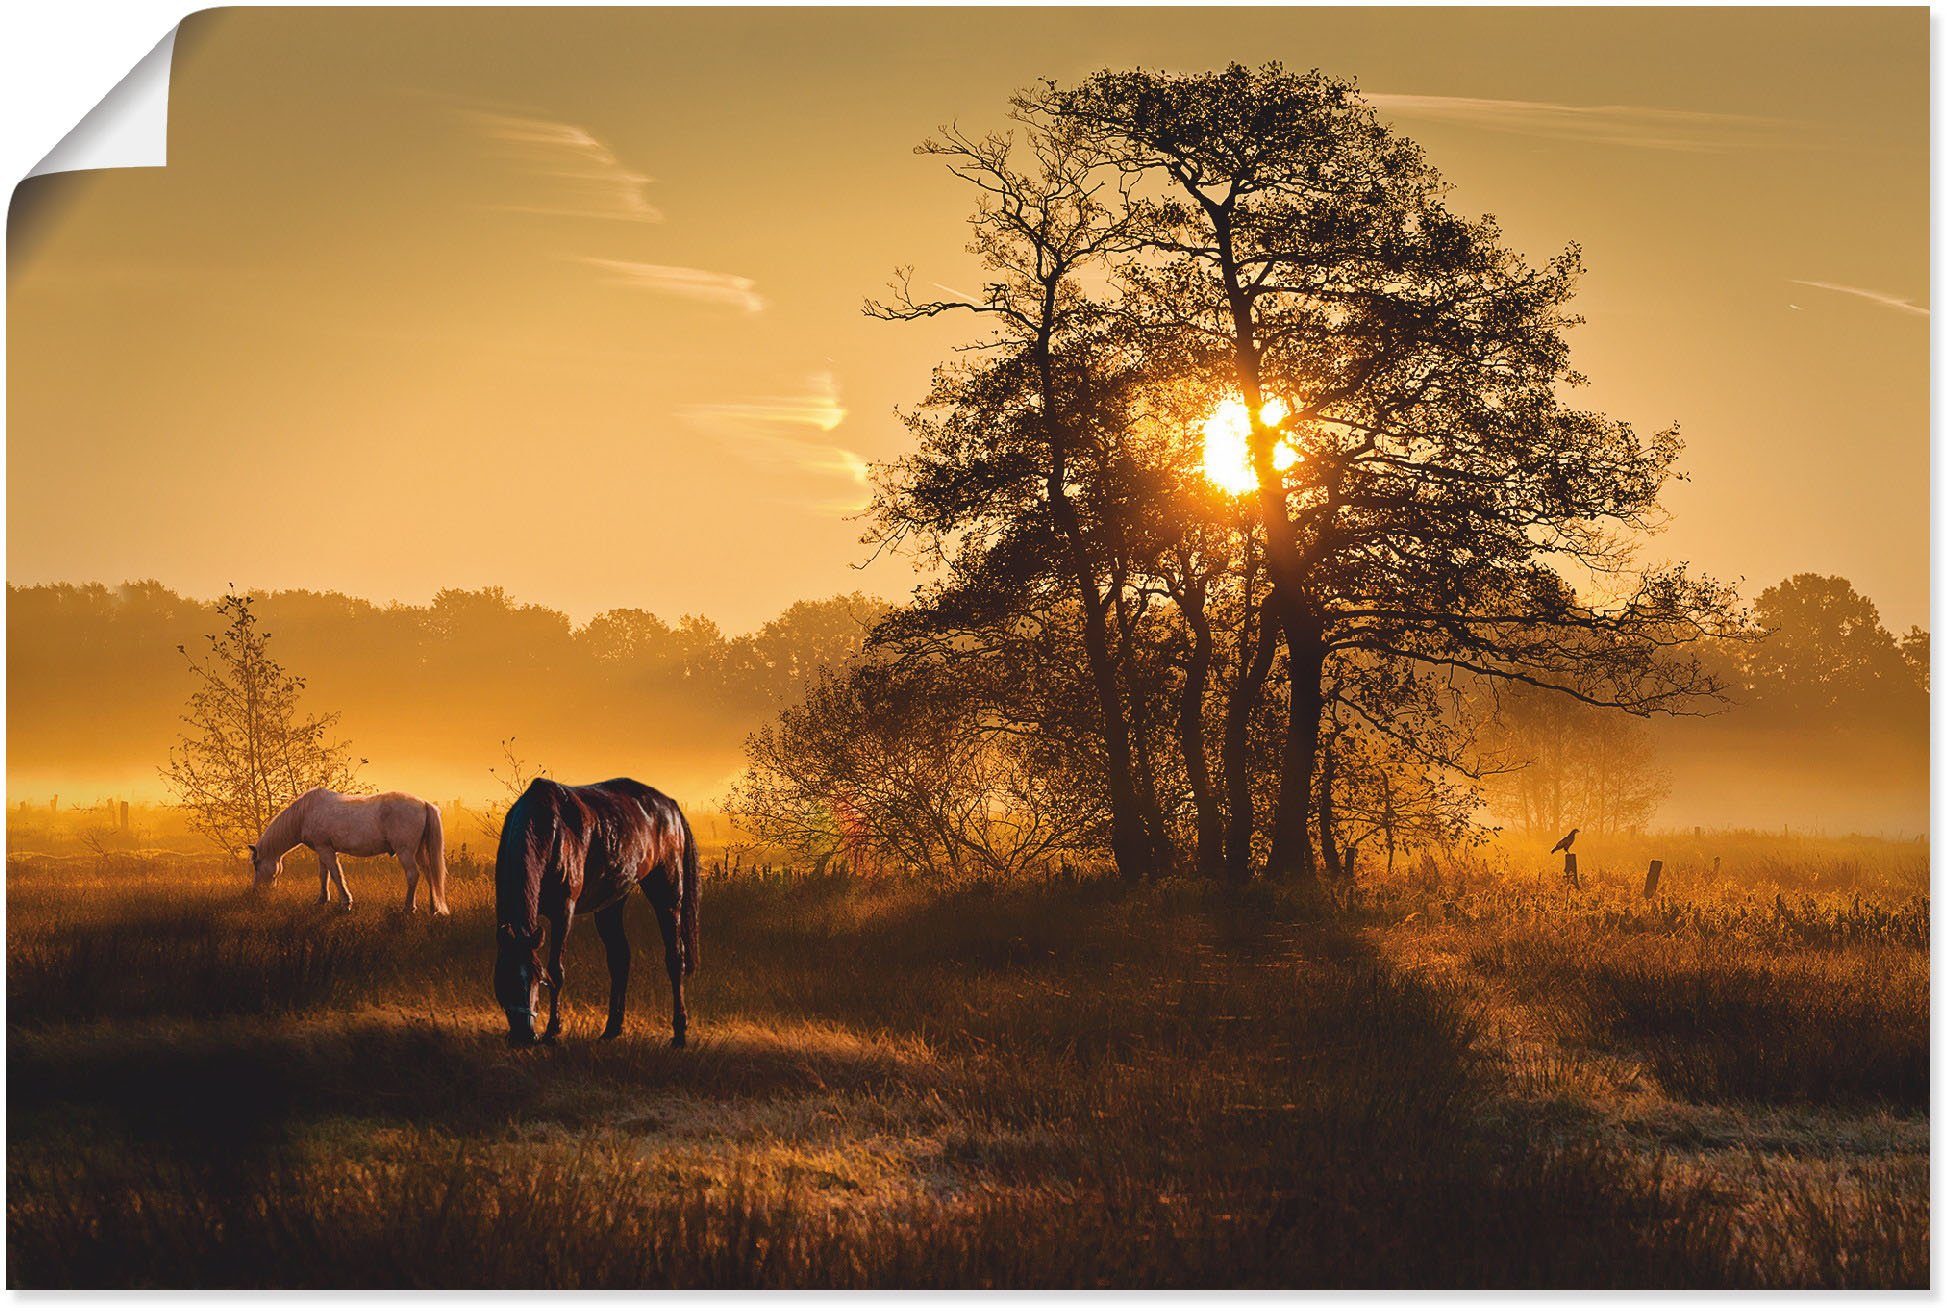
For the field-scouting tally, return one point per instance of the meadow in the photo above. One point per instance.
(1471, 1076)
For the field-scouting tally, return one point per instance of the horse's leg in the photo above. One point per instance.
(615, 937)
(411, 866)
(324, 876)
(665, 905)
(557, 939)
(338, 877)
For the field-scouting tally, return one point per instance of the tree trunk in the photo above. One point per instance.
(1328, 844)
(1190, 738)
(1156, 829)
(1286, 558)
(1162, 855)
(1291, 856)
(1128, 836)
(1243, 704)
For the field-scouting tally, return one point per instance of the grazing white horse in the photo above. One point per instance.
(334, 825)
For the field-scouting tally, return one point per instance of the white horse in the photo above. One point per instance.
(334, 825)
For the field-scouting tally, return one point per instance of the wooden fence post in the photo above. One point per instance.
(1569, 876)
(1650, 880)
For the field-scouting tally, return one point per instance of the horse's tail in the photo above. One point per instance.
(432, 857)
(692, 893)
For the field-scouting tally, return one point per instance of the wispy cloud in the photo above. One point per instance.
(1613, 125)
(1887, 299)
(817, 406)
(571, 171)
(674, 280)
(776, 432)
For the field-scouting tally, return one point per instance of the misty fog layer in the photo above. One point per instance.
(426, 693)
(1826, 729)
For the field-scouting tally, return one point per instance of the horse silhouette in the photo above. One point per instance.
(569, 850)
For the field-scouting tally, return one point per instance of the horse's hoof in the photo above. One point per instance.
(610, 1035)
(346, 907)
(679, 1041)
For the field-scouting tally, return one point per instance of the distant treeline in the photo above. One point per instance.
(427, 692)
(1827, 726)
(1825, 729)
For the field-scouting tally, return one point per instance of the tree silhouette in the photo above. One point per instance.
(415, 677)
(1009, 435)
(1826, 655)
(1569, 764)
(1422, 490)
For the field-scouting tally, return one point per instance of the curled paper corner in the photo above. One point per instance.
(129, 128)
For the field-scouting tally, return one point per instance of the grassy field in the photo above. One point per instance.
(1473, 1076)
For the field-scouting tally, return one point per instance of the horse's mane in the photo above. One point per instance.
(526, 838)
(280, 835)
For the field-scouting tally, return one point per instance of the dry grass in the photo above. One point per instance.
(1070, 1084)
(1732, 1021)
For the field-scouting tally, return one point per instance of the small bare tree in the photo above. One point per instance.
(249, 749)
(901, 767)
(513, 775)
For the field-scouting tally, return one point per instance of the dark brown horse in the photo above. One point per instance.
(565, 850)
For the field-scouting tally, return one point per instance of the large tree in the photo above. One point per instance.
(1422, 489)
(1253, 255)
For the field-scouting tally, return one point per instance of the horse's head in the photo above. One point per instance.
(265, 868)
(517, 979)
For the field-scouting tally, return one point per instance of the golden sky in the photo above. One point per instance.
(568, 301)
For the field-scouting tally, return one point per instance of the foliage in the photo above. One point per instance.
(904, 764)
(1827, 660)
(1423, 490)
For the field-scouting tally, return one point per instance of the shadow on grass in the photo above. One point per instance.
(249, 1089)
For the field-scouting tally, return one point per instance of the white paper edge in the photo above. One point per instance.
(129, 128)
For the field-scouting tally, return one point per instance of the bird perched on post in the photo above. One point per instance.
(1565, 843)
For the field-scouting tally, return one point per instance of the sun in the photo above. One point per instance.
(1227, 445)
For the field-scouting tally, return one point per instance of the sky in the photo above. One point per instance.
(569, 301)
